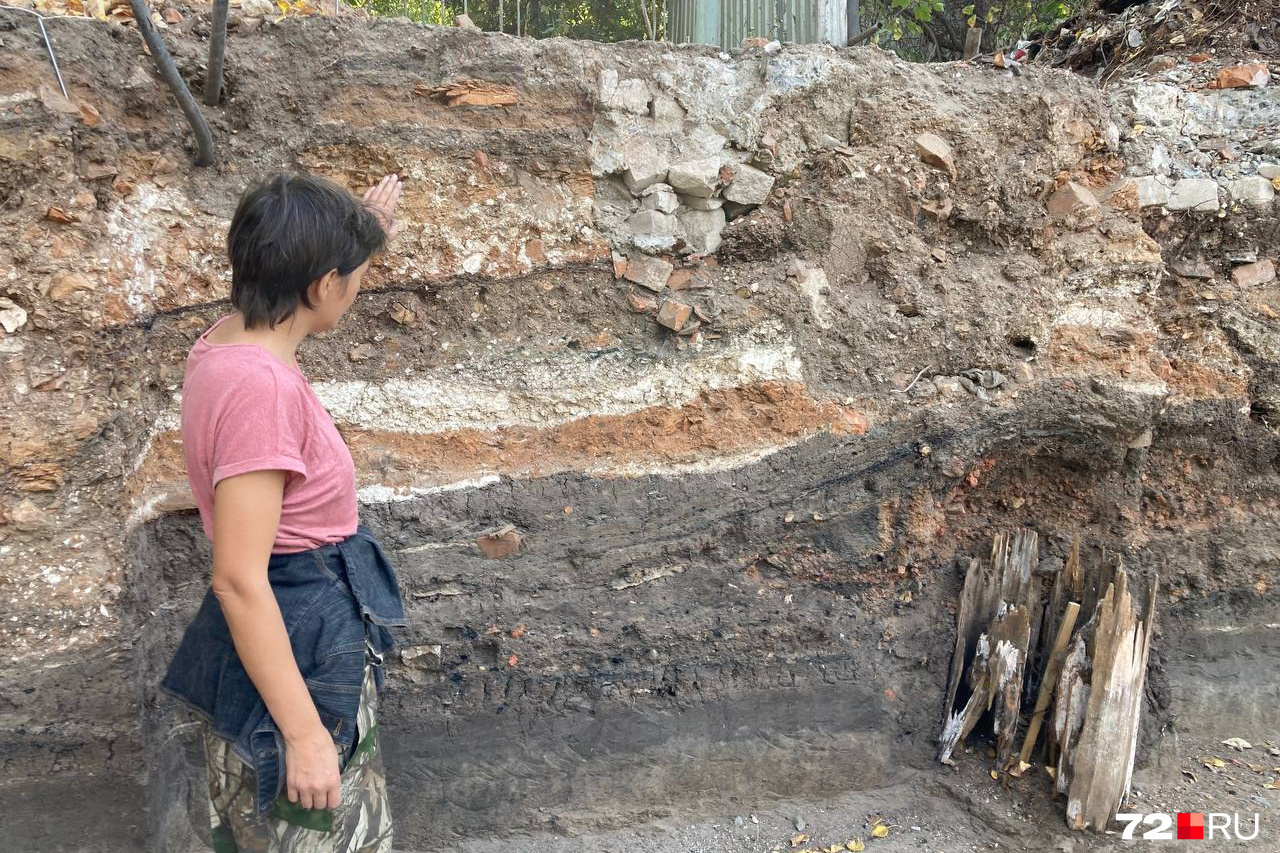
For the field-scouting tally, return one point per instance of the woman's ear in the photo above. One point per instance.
(326, 286)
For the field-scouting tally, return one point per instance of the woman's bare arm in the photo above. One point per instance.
(246, 513)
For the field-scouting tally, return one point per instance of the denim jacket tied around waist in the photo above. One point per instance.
(336, 600)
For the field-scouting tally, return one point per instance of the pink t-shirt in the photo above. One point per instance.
(245, 410)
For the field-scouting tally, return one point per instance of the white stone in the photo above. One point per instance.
(749, 185)
(812, 282)
(629, 95)
(606, 161)
(694, 202)
(12, 316)
(1199, 194)
(696, 177)
(702, 229)
(644, 167)
(1112, 135)
(1153, 190)
(667, 113)
(664, 200)
(1161, 160)
(1255, 191)
(1270, 171)
(700, 142)
(1157, 104)
(652, 230)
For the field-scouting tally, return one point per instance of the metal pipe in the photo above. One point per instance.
(48, 44)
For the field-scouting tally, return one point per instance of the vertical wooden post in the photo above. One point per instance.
(972, 42)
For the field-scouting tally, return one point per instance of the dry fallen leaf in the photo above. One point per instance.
(797, 840)
(880, 831)
(1213, 762)
(1237, 743)
(855, 845)
(1021, 768)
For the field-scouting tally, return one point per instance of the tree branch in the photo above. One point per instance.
(178, 86)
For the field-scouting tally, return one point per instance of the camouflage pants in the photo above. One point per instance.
(360, 824)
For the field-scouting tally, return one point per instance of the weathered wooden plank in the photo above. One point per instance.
(1057, 654)
(1071, 699)
(1103, 762)
(1093, 674)
(967, 629)
(1010, 633)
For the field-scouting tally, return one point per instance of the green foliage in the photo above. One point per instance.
(597, 20)
(935, 29)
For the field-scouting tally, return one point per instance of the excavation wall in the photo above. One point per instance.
(692, 380)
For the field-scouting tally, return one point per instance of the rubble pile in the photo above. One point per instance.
(1193, 78)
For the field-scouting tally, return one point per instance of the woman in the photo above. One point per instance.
(282, 662)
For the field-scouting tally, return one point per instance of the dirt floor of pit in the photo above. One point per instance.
(933, 811)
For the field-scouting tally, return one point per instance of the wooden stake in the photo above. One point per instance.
(1048, 682)
(972, 43)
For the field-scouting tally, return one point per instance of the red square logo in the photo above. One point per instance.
(1191, 825)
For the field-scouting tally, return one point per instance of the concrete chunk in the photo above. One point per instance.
(660, 197)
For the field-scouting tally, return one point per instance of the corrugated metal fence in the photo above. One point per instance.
(728, 22)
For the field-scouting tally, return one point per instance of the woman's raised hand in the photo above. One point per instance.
(382, 200)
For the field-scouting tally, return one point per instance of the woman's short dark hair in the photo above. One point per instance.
(287, 232)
